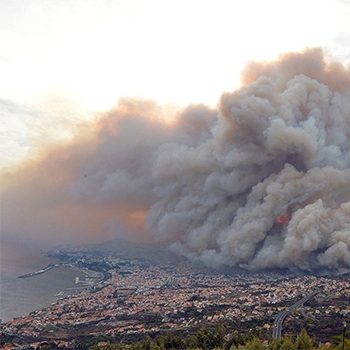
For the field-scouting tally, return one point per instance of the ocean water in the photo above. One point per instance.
(20, 296)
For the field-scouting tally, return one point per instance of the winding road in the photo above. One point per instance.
(277, 327)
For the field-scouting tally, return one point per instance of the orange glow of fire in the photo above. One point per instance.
(283, 219)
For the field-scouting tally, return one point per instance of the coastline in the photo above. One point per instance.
(21, 296)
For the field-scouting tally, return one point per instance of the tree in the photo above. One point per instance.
(219, 334)
(346, 345)
(158, 343)
(288, 344)
(146, 343)
(304, 342)
(254, 344)
(136, 346)
(282, 344)
(168, 341)
(235, 340)
(206, 339)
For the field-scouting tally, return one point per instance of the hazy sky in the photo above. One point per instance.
(200, 123)
(62, 62)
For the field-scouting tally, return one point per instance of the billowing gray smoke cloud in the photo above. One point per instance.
(262, 181)
(278, 145)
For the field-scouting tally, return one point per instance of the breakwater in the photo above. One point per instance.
(35, 273)
(88, 273)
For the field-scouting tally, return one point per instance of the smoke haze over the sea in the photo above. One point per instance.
(262, 181)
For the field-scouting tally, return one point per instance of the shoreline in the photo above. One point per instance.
(21, 296)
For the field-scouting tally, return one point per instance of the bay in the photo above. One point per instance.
(20, 296)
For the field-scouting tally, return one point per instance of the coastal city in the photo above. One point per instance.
(129, 297)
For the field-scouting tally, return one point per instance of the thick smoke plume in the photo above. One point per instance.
(263, 181)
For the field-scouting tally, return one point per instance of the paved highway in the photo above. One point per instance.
(277, 327)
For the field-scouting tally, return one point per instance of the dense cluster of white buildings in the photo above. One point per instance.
(176, 298)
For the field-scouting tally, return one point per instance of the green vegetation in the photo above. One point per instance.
(216, 339)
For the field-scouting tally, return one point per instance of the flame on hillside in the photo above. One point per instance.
(283, 219)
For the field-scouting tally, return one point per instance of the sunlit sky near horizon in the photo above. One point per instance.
(62, 62)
